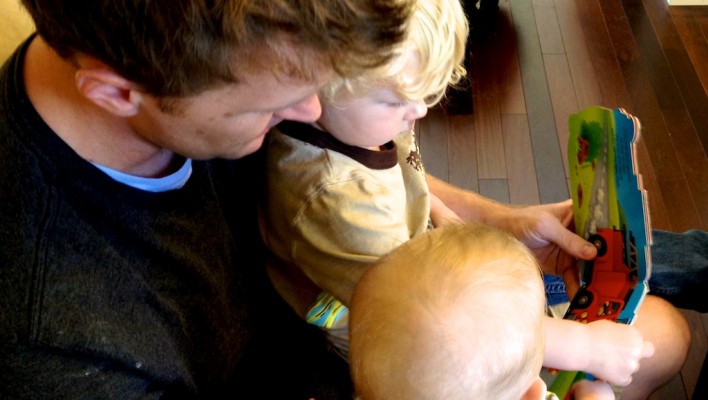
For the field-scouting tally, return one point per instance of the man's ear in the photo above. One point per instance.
(537, 390)
(108, 90)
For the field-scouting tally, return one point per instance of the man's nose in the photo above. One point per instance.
(307, 110)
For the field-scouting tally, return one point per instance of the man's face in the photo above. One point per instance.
(230, 121)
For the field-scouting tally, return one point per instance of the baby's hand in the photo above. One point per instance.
(592, 390)
(614, 351)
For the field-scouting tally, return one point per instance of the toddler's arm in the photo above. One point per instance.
(441, 214)
(605, 349)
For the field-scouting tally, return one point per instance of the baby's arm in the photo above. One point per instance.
(605, 349)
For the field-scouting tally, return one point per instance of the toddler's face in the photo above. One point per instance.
(372, 120)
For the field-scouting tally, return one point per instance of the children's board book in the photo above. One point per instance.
(610, 211)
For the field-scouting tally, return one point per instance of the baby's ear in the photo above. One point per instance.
(537, 390)
(108, 90)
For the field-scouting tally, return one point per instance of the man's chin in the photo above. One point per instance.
(248, 148)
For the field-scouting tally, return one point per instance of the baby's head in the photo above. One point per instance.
(456, 313)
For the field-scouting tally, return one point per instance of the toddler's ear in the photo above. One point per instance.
(537, 390)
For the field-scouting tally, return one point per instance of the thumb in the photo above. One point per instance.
(570, 242)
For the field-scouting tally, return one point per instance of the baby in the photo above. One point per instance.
(456, 313)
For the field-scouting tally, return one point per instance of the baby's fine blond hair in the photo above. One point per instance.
(456, 313)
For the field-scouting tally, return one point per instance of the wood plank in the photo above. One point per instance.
(609, 79)
(625, 48)
(692, 161)
(495, 189)
(562, 97)
(487, 122)
(662, 23)
(660, 78)
(686, 79)
(523, 187)
(620, 37)
(616, 31)
(658, 215)
(637, 72)
(431, 134)
(462, 153)
(579, 60)
(504, 58)
(547, 156)
(692, 28)
(549, 33)
(692, 92)
(670, 182)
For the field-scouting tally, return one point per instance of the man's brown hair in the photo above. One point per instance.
(176, 48)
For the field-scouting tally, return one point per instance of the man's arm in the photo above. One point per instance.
(441, 214)
(543, 228)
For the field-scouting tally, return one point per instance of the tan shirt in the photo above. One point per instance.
(328, 215)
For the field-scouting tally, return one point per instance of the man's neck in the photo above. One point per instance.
(92, 132)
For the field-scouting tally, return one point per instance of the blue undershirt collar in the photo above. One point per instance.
(173, 181)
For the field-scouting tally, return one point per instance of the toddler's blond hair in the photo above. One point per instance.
(435, 45)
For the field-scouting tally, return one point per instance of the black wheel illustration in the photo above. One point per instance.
(599, 243)
(581, 300)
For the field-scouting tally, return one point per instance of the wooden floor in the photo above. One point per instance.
(539, 61)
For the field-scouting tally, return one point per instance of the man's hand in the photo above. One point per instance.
(547, 230)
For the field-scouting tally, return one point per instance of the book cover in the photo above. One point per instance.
(610, 211)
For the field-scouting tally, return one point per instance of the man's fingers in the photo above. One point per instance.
(555, 231)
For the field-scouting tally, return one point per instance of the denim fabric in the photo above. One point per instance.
(555, 290)
(680, 268)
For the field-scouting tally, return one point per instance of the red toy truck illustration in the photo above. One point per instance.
(609, 279)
